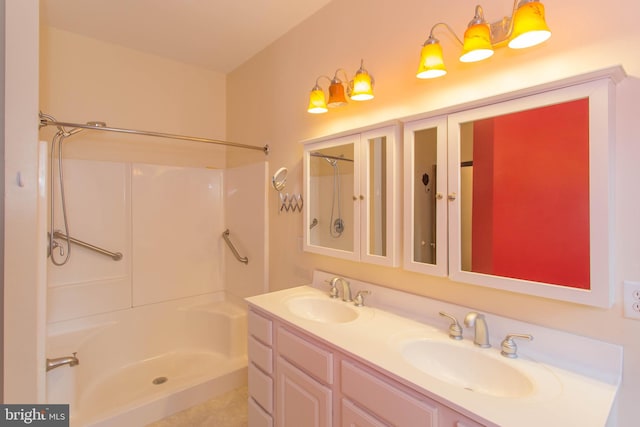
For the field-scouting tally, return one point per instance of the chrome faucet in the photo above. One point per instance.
(60, 361)
(335, 292)
(476, 320)
(346, 290)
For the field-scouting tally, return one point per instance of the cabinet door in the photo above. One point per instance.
(350, 192)
(332, 178)
(379, 193)
(532, 180)
(301, 400)
(425, 200)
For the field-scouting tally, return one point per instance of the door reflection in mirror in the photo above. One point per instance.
(424, 234)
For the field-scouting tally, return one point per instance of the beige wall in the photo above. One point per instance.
(267, 100)
(83, 79)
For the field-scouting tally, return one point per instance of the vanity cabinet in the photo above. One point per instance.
(316, 384)
(516, 195)
(350, 190)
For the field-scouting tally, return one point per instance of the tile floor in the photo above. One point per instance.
(227, 410)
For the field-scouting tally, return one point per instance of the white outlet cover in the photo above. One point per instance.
(631, 299)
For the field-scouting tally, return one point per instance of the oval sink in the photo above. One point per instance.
(321, 310)
(468, 368)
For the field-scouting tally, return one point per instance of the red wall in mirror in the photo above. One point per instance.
(531, 195)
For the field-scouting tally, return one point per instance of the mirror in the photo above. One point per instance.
(377, 200)
(425, 241)
(529, 181)
(524, 194)
(331, 208)
(279, 179)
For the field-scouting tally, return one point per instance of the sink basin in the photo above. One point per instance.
(468, 367)
(322, 310)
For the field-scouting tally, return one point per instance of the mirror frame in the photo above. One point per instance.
(601, 142)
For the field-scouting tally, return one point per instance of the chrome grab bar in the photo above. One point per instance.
(242, 259)
(116, 256)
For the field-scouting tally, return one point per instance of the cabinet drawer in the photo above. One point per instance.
(257, 416)
(261, 355)
(354, 416)
(451, 418)
(261, 388)
(386, 400)
(260, 327)
(314, 360)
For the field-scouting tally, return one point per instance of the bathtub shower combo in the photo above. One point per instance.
(125, 345)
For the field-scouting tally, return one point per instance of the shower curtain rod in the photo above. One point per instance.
(326, 156)
(45, 120)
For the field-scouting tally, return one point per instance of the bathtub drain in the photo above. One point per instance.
(160, 380)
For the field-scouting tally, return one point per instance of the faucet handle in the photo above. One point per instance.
(333, 292)
(509, 347)
(359, 299)
(455, 330)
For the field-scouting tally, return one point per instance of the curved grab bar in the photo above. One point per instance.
(242, 259)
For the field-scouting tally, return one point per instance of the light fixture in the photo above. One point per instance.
(360, 88)
(525, 28)
(362, 85)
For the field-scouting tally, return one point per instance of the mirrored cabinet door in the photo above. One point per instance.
(425, 187)
(351, 211)
(379, 204)
(332, 179)
(532, 183)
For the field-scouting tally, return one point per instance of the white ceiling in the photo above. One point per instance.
(215, 34)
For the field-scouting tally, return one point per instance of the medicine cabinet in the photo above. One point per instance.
(351, 207)
(516, 195)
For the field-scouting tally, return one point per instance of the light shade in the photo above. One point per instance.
(336, 94)
(529, 26)
(431, 60)
(317, 103)
(477, 43)
(361, 86)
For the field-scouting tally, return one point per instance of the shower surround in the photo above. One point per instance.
(165, 327)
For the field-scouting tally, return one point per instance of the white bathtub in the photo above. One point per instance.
(197, 344)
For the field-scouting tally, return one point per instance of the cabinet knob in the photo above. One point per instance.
(439, 196)
(452, 196)
(361, 197)
(355, 198)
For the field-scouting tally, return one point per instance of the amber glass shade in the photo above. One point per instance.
(317, 103)
(529, 26)
(477, 43)
(431, 61)
(336, 94)
(361, 86)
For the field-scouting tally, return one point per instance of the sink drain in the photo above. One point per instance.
(160, 380)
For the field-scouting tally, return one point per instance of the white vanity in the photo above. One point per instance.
(321, 361)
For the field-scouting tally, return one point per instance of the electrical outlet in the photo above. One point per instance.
(632, 300)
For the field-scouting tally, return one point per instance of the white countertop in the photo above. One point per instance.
(377, 336)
